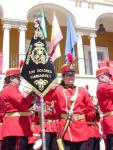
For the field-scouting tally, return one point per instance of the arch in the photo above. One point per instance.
(48, 8)
(1, 12)
(107, 20)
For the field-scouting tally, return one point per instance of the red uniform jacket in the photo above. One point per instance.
(105, 100)
(51, 118)
(1, 121)
(36, 129)
(78, 129)
(93, 127)
(93, 123)
(15, 102)
(1, 116)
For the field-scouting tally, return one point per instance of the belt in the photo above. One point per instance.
(14, 114)
(73, 117)
(108, 113)
(92, 123)
(34, 134)
(50, 120)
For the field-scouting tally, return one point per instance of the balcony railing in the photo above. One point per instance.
(14, 62)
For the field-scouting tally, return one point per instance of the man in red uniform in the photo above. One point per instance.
(93, 125)
(51, 122)
(105, 101)
(16, 124)
(1, 120)
(94, 136)
(51, 125)
(36, 129)
(76, 135)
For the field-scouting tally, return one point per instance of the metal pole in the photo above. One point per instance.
(43, 125)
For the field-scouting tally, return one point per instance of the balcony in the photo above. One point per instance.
(14, 62)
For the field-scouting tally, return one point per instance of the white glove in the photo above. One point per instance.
(37, 144)
(25, 88)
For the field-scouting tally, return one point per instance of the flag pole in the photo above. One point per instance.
(43, 125)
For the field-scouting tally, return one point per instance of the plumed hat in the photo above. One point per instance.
(70, 66)
(12, 71)
(102, 70)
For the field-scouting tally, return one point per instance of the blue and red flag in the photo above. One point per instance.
(71, 38)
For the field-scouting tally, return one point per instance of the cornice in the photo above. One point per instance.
(85, 31)
(92, 3)
(14, 23)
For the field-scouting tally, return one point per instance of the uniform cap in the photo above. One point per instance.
(12, 71)
(102, 70)
(66, 68)
(70, 66)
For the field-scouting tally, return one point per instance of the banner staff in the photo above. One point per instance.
(43, 125)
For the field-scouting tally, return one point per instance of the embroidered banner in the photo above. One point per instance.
(38, 69)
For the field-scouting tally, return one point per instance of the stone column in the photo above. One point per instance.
(93, 53)
(22, 51)
(81, 64)
(6, 45)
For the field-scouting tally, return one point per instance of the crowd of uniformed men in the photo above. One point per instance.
(71, 114)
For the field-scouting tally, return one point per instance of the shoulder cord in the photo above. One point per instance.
(70, 113)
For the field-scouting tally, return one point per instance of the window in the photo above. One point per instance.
(102, 54)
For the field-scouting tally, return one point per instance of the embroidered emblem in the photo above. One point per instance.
(38, 32)
(41, 83)
(39, 54)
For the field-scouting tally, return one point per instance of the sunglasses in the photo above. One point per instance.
(108, 74)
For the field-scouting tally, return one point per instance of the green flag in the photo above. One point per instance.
(42, 23)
